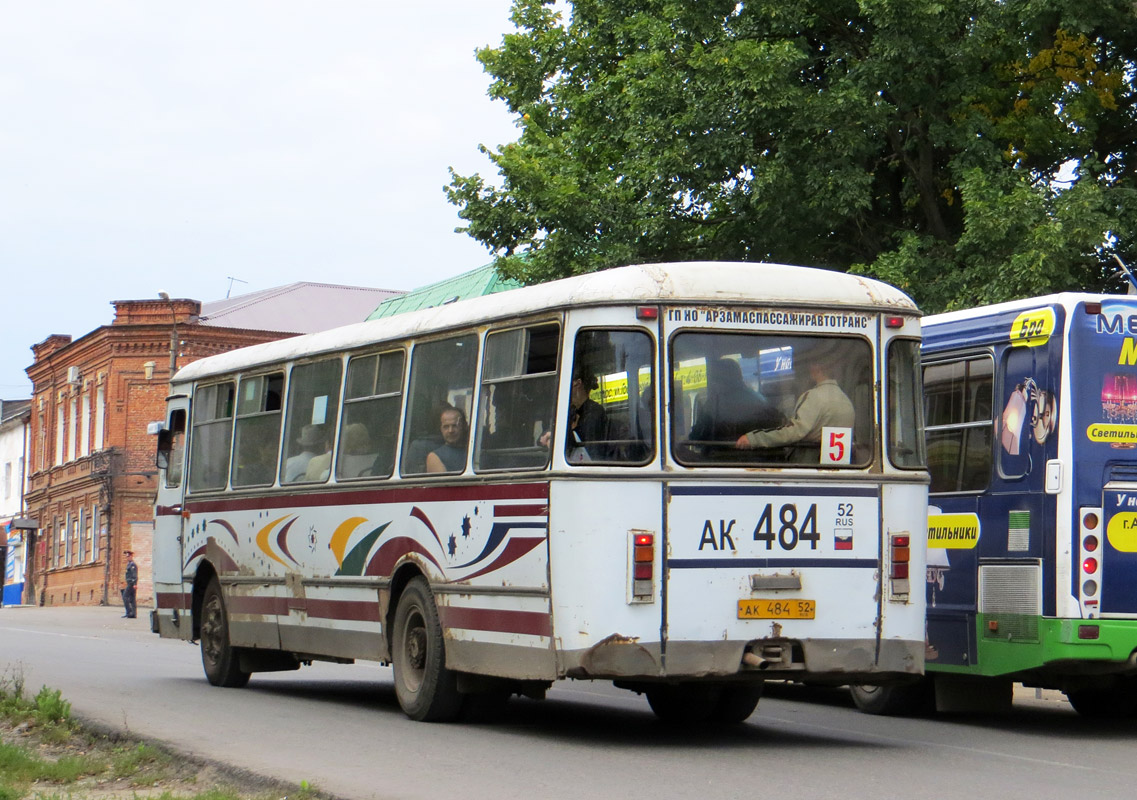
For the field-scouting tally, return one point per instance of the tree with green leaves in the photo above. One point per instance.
(968, 151)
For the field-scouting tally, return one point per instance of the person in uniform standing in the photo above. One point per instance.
(130, 590)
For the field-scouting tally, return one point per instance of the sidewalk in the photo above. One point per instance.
(77, 617)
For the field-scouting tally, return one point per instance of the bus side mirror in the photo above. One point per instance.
(154, 428)
(165, 445)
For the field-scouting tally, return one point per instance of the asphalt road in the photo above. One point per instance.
(340, 728)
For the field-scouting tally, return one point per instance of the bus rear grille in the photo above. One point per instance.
(1010, 600)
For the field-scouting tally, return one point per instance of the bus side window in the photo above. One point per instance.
(257, 430)
(372, 405)
(313, 407)
(957, 406)
(611, 402)
(1024, 395)
(440, 396)
(518, 398)
(210, 436)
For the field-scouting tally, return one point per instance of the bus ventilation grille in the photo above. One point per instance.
(1010, 601)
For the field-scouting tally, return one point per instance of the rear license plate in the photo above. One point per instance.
(777, 609)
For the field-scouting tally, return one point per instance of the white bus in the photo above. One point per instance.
(498, 493)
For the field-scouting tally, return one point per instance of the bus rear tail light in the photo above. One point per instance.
(900, 552)
(1091, 565)
(641, 567)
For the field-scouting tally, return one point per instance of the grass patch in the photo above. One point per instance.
(46, 755)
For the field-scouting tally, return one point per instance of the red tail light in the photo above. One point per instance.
(900, 553)
(641, 572)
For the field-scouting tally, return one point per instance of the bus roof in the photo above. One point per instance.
(726, 283)
(1064, 299)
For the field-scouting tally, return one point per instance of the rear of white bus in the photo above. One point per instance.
(718, 563)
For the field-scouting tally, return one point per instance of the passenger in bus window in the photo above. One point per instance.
(451, 456)
(312, 443)
(356, 451)
(588, 423)
(823, 405)
(256, 457)
(731, 408)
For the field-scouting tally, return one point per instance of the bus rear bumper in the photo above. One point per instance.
(836, 661)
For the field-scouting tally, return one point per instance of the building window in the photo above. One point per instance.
(85, 424)
(97, 531)
(76, 530)
(72, 427)
(59, 432)
(60, 540)
(41, 442)
(100, 409)
(84, 535)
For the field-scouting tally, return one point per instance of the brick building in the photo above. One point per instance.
(91, 475)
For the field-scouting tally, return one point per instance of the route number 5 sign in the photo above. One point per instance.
(836, 445)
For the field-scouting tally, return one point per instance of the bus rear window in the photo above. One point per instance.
(758, 399)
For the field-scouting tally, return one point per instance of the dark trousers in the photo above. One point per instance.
(128, 601)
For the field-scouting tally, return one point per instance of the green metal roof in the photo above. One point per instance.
(475, 283)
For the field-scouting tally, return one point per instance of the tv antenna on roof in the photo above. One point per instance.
(229, 291)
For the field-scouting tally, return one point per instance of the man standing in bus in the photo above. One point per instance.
(824, 405)
(451, 456)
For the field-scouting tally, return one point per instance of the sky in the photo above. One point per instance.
(231, 146)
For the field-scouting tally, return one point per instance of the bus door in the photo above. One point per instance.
(169, 597)
(1016, 517)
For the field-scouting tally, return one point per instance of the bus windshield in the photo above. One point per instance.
(759, 399)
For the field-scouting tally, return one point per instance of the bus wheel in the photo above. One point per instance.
(737, 703)
(217, 657)
(427, 690)
(896, 701)
(684, 703)
(1117, 701)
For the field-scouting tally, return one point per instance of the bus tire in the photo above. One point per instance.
(909, 700)
(736, 703)
(218, 657)
(1116, 701)
(426, 689)
(684, 703)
